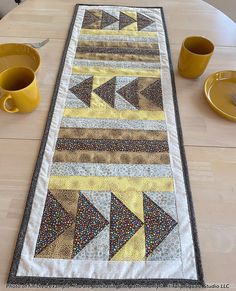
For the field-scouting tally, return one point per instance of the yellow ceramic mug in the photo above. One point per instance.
(19, 90)
(194, 56)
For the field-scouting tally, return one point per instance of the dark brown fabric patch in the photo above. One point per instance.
(125, 20)
(118, 50)
(72, 144)
(143, 21)
(89, 222)
(107, 19)
(91, 20)
(123, 225)
(83, 90)
(157, 224)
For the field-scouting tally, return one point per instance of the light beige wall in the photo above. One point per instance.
(227, 6)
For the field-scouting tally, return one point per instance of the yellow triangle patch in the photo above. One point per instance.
(100, 80)
(134, 249)
(131, 14)
(132, 27)
(97, 102)
(133, 200)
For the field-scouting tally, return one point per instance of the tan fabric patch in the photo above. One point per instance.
(118, 57)
(61, 247)
(122, 44)
(111, 157)
(87, 133)
(68, 200)
(145, 104)
(145, 82)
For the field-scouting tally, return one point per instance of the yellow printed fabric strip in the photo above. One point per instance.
(124, 184)
(131, 33)
(118, 57)
(112, 72)
(114, 114)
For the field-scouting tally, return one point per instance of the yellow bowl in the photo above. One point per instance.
(18, 55)
(220, 88)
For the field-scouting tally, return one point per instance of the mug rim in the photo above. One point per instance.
(14, 45)
(200, 37)
(13, 68)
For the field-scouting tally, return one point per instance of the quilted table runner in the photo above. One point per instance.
(109, 203)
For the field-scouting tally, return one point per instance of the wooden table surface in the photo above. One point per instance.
(210, 141)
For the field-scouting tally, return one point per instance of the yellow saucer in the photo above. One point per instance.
(18, 55)
(219, 89)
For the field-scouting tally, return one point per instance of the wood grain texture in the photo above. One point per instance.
(201, 125)
(210, 140)
(183, 18)
(212, 179)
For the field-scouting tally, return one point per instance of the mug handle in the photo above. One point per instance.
(3, 104)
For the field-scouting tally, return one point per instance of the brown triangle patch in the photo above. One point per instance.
(123, 225)
(153, 92)
(61, 247)
(125, 20)
(54, 222)
(130, 93)
(107, 92)
(89, 223)
(158, 224)
(91, 20)
(83, 90)
(143, 21)
(107, 19)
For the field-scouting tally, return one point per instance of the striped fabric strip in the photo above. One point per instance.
(118, 57)
(116, 64)
(112, 72)
(118, 32)
(120, 38)
(112, 134)
(123, 184)
(113, 123)
(116, 170)
(112, 145)
(118, 50)
(118, 44)
(113, 113)
(117, 157)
